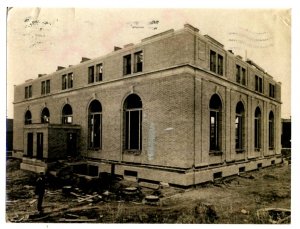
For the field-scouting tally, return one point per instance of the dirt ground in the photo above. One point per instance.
(261, 196)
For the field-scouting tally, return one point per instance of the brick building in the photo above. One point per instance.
(176, 108)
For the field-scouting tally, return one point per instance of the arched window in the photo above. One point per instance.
(215, 106)
(257, 129)
(95, 125)
(28, 118)
(45, 116)
(271, 130)
(239, 126)
(133, 122)
(67, 114)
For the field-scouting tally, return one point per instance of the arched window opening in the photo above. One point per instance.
(271, 130)
(45, 116)
(67, 114)
(95, 125)
(257, 129)
(215, 106)
(239, 127)
(133, 122)
(28, 118)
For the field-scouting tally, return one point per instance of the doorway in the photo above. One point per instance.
(29, 144)
(71, 144)
(39, 149)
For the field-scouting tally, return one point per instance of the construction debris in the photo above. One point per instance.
(274, 215)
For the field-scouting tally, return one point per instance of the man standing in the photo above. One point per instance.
(40, 191)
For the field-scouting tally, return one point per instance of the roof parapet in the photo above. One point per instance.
(116, 48)
(214, 41)
(158, 35)
(60, 68)
(40, 75)
(83, 59)
(190, 27)
(128, 45)
(255, 65)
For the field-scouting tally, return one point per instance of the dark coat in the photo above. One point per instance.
(40, 186)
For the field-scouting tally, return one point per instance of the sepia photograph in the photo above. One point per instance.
(148, 115)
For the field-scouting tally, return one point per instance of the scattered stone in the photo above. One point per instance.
(244, 211)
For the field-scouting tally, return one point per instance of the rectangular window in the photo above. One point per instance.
(127, 65)
(133, 129)
(213, 61)
(43, 87)
(138, 62)
(64, 82)
(272, 90)
(28, 92)
(99, 72)
(91, 74)
(258, 84)
(47, 86)
(238, 74)
(70, 80)
(243, 80)
(220, 65)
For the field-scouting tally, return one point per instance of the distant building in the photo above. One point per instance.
(9, 136)
(286, 133)
(176, 108)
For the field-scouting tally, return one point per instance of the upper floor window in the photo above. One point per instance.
(91, 74)
(67, 81)
(272, 90)
(99, 72)
(240, 75)
(216, 63)
(28, 92)
(258, 84)
(138, 61)
(28, 118)
(45, 87)
(127, 64)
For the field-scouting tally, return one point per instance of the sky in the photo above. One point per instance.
(40, 39)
